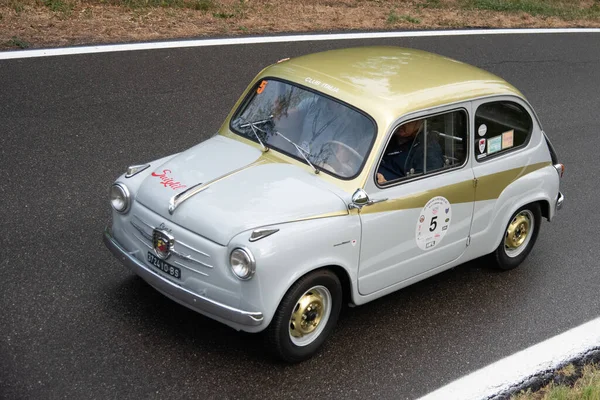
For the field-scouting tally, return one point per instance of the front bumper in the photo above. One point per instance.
(196, 302)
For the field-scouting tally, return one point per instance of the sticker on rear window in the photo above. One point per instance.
(507, 139)
(482, 130)
(494, 144)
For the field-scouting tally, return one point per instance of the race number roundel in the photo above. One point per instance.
(433, 223)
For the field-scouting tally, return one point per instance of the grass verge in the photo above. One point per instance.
(570, 383)
(46, 23)
(562, 9)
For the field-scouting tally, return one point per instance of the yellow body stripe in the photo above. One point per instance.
(488, 187)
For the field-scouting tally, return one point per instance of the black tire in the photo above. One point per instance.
(279, 336)
(508, 258)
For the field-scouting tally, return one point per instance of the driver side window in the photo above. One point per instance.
(424, 146)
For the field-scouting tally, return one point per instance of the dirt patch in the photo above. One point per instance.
(48, 23)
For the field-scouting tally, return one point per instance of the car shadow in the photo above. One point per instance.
(426, 306)
(153, 312)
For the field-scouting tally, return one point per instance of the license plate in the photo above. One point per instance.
(163, 266)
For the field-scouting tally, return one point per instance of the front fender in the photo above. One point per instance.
(295, 250)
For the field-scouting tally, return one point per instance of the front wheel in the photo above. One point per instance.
(306, 316)
(519, 237)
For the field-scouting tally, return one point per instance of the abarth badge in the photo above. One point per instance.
(162, 242)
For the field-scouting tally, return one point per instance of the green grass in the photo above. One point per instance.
(544, 8)
(585, 386)
(199, 5)
(150, 3)
(238, 10)
(203, 5)
(59, 6)
(16, 42)
(430, 4)
(18, 7)
(223, 15)
(394, 18)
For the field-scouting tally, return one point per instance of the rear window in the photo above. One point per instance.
(500, 127)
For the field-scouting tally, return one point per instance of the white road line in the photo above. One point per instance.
(7, 55)
(513, 370)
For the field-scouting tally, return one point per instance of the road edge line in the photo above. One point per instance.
(107, 48)
(512, 372)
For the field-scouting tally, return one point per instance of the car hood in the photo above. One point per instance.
(242, 189)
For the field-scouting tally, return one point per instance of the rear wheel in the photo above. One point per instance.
(306, 316)
(519, 237)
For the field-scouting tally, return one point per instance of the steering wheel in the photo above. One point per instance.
(347, 168)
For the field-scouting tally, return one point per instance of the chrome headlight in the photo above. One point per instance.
(119, 197)
(242, 263)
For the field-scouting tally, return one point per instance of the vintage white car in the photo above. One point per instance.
(338, 177)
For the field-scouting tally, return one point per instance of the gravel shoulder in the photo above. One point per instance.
(51, 23)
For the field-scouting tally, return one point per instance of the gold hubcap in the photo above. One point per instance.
(517, 231)
(307, 314)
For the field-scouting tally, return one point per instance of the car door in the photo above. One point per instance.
(425, 219)
(505, 149)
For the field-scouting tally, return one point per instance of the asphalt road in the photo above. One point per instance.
(74, 323)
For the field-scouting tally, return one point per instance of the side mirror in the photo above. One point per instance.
(360, 198)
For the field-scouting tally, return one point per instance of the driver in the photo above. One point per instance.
(405, 155)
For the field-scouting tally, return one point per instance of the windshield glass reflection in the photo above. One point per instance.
(327, 134)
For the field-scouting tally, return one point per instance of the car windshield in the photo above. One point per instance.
(309, 126)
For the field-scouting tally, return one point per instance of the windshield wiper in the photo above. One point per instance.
(302, 151)
(254, 127)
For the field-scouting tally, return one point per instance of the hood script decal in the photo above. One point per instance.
(167, 181)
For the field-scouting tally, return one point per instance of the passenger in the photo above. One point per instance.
(405, 155)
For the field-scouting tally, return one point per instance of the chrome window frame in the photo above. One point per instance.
(251, 92)
(505, 99)
(412, 117)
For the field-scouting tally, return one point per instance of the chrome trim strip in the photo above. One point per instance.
(189, 258)
(192, 300)
(179, 198)
(144, 234)
(188, 268)
(192, 248)
(183, 196)
(177, 253)
(144, 222)
(142, 241)
(177, 241)
(258, 234)
(174, 261)
(133, 170)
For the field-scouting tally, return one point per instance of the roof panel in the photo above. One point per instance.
(394, 79)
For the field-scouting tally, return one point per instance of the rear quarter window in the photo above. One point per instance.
(500, 127)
